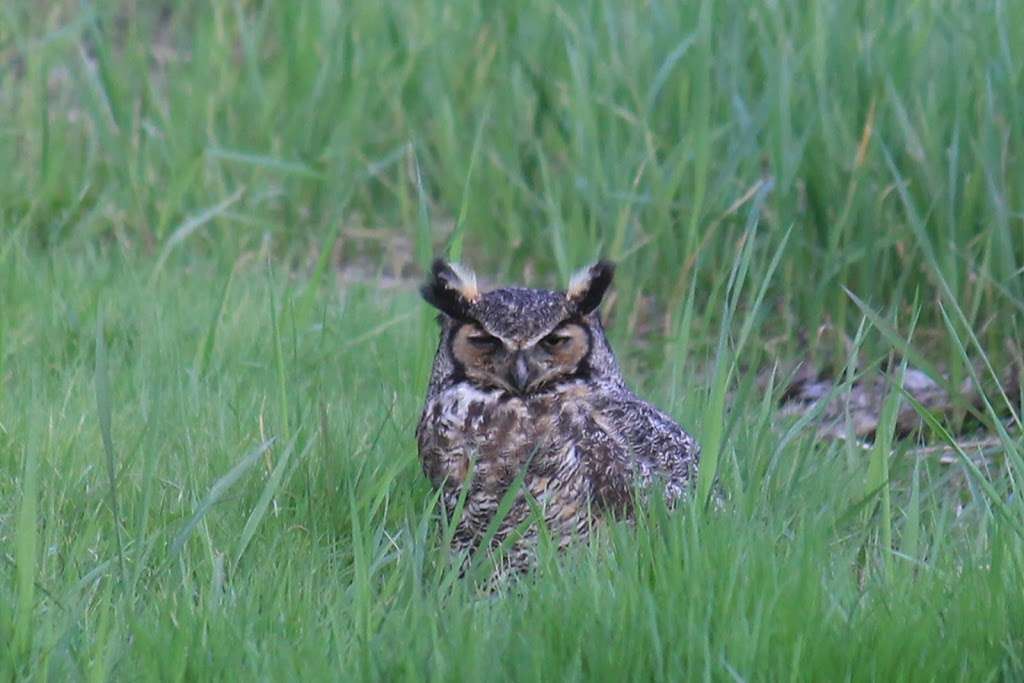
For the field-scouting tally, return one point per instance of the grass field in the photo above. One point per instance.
(212, 355)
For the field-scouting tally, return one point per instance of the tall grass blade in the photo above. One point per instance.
(260, 509)
(100, 662)
(264, 161)
(204, 349)
(217, 491)
(1009, 443)
(486, 552)
(103, 411)
(910, 538)
(724, 362)
(455, 241)
(977, 476)
(424, 235)
(755, 307)
(312, 289)
(25, 551)
(878, 467)
(282, 378)
(907, 351)
(3, 352)
(666, 67)
(185, 230)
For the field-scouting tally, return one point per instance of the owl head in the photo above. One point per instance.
(517, 339)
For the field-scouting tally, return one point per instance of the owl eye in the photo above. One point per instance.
(554, 340)
(485, 342)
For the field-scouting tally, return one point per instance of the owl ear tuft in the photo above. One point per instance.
(588, 286)
(451, 289)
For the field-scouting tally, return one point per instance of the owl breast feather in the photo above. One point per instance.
(558, 441)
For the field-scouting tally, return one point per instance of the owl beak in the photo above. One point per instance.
(521, 376)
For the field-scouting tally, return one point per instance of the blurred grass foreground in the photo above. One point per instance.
(212, 219)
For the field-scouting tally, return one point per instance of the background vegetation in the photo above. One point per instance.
(212, 355)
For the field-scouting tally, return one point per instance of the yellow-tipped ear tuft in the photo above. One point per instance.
(578, 283)
(463, 281)
(451, 289)
(587, 287)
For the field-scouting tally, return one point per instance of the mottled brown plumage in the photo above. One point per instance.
(525, 385)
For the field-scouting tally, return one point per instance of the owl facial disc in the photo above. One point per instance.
(518, 339)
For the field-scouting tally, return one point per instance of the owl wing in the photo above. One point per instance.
(660, 448)
(597, 450)
(439, 446)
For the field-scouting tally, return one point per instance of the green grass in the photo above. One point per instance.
(207, 466)
(318, 554)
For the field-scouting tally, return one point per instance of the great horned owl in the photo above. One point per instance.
(525, 390)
